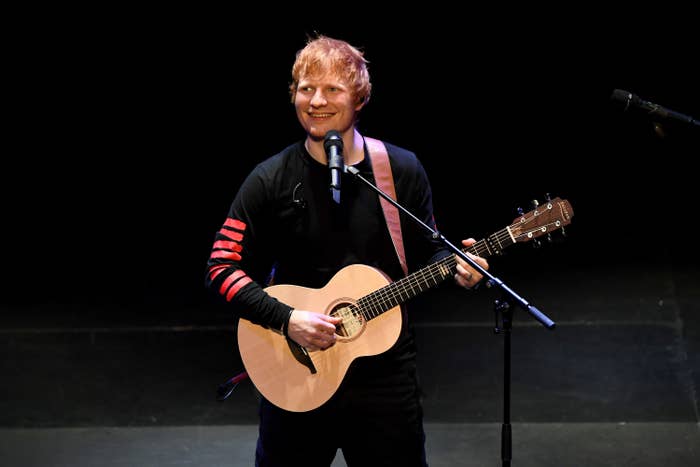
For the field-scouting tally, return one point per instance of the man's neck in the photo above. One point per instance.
(353, 148)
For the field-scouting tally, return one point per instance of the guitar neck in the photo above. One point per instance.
(396, 293)
(542, 220)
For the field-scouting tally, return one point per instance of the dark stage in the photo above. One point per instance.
(132, 142)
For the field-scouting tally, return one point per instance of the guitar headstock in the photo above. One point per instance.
(548, 217)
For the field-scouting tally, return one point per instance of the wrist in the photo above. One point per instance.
(285, 324)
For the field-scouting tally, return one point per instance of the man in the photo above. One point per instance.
(284, 219)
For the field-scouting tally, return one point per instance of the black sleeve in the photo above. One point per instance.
(238, 265)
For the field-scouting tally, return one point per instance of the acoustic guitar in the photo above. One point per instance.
(368, 302)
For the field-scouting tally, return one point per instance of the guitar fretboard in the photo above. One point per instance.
(372, 305)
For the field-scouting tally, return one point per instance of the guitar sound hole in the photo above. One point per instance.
(352, 320)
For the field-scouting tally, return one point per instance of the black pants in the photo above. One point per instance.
(375, 418)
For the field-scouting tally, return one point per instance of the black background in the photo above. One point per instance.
(130, 132)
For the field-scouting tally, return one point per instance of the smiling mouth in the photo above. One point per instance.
(317, 115)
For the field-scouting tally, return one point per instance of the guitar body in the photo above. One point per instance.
(281, 377)
(369, 305)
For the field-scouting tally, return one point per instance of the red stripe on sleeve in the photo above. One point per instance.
(235, 224)
(236, 287)
(225, 254)
(216, 270)
(235, 246)
(230, 280)
(232, 234)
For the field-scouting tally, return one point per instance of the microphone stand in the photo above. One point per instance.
(502, 307)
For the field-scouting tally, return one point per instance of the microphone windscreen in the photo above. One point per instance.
(332, 138)
(618, 95)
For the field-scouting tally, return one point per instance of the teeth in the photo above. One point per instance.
(321, 115)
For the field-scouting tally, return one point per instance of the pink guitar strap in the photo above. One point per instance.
(385, 182)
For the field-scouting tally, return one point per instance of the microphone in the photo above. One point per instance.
(632, 100)
(333, 145)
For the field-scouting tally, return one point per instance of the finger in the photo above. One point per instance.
(332, 319)
(318, 343)
(324, 342)
(468, 241)
(465, 278)
(464, 273)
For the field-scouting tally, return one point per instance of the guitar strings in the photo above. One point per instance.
(392, 295)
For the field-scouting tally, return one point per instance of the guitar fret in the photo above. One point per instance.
(485, 244)
(497, 240)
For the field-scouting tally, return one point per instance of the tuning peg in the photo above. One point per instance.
(548, 198)
(536, 243)
(521, 211)
(535, 203)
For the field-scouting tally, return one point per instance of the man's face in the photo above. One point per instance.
(324, 103)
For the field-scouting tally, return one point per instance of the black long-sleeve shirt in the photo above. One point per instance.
(283, 219)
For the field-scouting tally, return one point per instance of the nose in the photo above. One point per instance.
(318, 99)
